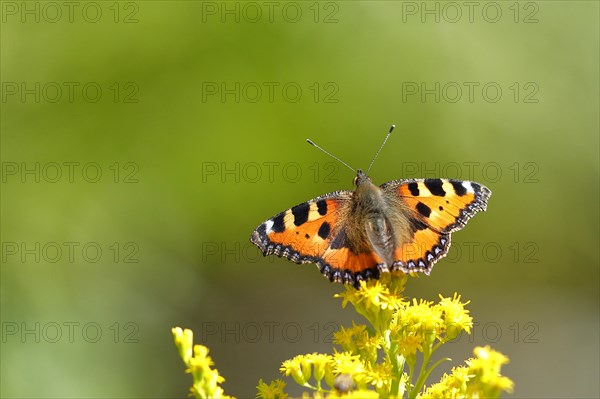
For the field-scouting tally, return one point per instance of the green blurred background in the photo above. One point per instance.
(195, 114)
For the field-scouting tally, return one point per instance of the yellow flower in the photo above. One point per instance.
(480, 379)
(490, 357)
(200, 363)
(409, 345)
(421, 318)
(346, 337)
(272, 391)
(437, 391)
(184, 339)
(368, 347)
(346, 363)
(200, 351)
(380, 377)
(294, 368)
(206, 380)
(377, 294)
(377, 360)
(320, 362)
(451, 386)
(372, 294)
(456, 317)
(486, 371)
(459, 378)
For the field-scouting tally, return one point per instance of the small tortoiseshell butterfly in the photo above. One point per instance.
(356, 235)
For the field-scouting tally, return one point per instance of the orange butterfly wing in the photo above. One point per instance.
(434, 208)
(314, 232)
(320, 231)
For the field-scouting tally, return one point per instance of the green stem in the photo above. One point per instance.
(427, 352)
(421, 380)
(411, 371)
(434, 366)
(397, 362)
(390, 351)
(397, 367)
(401, 363)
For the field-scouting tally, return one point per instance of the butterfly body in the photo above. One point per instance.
(372, 219)
(356, 235)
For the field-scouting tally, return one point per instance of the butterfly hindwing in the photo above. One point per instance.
(426, 247)
(344, 264)
(434, 209)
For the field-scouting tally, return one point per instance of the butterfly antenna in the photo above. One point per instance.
(331, 155)
(379, 150)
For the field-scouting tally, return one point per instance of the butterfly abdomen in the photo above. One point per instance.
(381, 237)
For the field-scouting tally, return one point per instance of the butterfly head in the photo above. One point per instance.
(361, 178)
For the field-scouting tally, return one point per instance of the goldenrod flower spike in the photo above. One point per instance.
(184, 340)
(206, 380)
(391, 356)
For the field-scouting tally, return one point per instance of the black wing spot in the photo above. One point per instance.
(435, 186)
(324, 230)
(278, 223)
(458, 188)
(414, 188)
(423, 209)
(306, 236)
(300, 213)
(322, 207)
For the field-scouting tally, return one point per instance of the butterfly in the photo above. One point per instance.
(357, 235)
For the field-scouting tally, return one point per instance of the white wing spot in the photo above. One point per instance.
(269, 226)
(468, 186)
